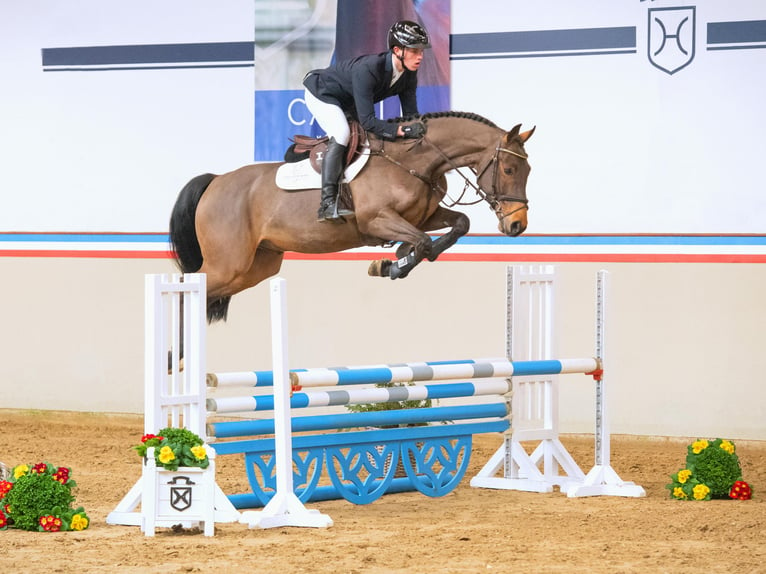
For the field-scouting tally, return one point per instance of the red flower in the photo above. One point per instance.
(50, 523)
(3, 521)
(40, 468)
(61, 475)
(741, 490)
(150, 436)
(5, 487)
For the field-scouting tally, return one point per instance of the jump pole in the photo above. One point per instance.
(284, 509)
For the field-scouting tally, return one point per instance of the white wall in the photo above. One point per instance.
(109, 150)
(621, 146)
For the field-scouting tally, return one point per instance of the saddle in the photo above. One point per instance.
(304, 147)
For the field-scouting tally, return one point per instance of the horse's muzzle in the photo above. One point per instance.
(512, 223)
(512, 228)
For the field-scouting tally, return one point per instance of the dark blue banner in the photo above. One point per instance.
(361, 27)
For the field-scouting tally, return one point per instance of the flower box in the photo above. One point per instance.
(185, 496)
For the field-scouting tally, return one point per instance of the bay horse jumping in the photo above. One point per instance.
(236, 227)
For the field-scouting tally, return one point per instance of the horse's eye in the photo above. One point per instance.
(508, 171)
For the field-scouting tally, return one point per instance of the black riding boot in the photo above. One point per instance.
(332, 171)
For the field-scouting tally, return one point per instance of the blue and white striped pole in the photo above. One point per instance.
(414, 372)
(495, 368)
(361, 396)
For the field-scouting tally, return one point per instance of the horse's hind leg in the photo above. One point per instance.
(226, 280)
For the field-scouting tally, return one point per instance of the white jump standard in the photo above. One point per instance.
(174, 398)
(529, 327)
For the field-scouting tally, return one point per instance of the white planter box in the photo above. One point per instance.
(185, 496)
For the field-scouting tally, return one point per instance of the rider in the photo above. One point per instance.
(353, 87)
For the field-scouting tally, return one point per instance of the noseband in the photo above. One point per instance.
(493, 199)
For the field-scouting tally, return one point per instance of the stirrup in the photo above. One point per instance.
(332, 213)
(329, 214)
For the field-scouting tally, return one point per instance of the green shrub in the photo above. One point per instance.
(39, 498)
(712, 469)
(717, 466)
(174, 447)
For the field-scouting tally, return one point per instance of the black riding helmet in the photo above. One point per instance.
(408, 34)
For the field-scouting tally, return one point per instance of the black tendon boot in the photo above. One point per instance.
(332, 171)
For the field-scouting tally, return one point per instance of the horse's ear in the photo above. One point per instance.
(526, 135)
(513, 133)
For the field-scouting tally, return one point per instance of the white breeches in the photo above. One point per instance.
(329, 117)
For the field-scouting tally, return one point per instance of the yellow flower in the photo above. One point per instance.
(20, 471)
(79, 522)
(199, 452)
(166, 454)
(727, 446)
(700, 491)
(678, 492)
(699, 445)
(683, 475)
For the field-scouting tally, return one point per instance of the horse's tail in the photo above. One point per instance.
(183, 233)
(184, 242)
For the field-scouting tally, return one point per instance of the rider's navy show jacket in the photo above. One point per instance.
(356, 85)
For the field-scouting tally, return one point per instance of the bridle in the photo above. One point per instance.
(491, 197)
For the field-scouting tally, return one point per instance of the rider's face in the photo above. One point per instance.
(412, 58)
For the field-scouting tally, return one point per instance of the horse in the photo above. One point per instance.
(236, 227)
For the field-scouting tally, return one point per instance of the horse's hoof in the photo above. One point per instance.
(171, 365)
(379, 268)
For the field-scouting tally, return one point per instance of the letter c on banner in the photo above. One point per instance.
(291, 116)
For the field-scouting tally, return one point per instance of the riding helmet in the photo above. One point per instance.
(408, 34)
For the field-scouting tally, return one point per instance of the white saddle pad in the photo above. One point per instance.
(300, 175)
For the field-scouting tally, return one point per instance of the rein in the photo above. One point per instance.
(492, 199)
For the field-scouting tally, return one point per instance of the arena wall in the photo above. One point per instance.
(654, 176)
(685, 348)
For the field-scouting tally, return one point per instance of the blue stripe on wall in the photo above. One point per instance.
(149, 54)
(736, 32)
(609, 40)
(544, 41)
(614, 240)
(162, 238)
(85, 237)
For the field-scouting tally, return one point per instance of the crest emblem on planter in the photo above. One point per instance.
(671, 38)
(180, 495)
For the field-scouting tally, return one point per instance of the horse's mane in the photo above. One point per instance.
(435, 115)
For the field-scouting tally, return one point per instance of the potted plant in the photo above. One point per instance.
(178, 481)
(712, 471)
(39, 498)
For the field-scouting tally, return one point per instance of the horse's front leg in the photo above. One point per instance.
(458, 223)
(390, 226)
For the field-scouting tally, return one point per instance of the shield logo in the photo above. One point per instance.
(180, 496)
(672, 37)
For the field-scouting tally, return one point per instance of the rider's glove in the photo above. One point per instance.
(414, 131)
